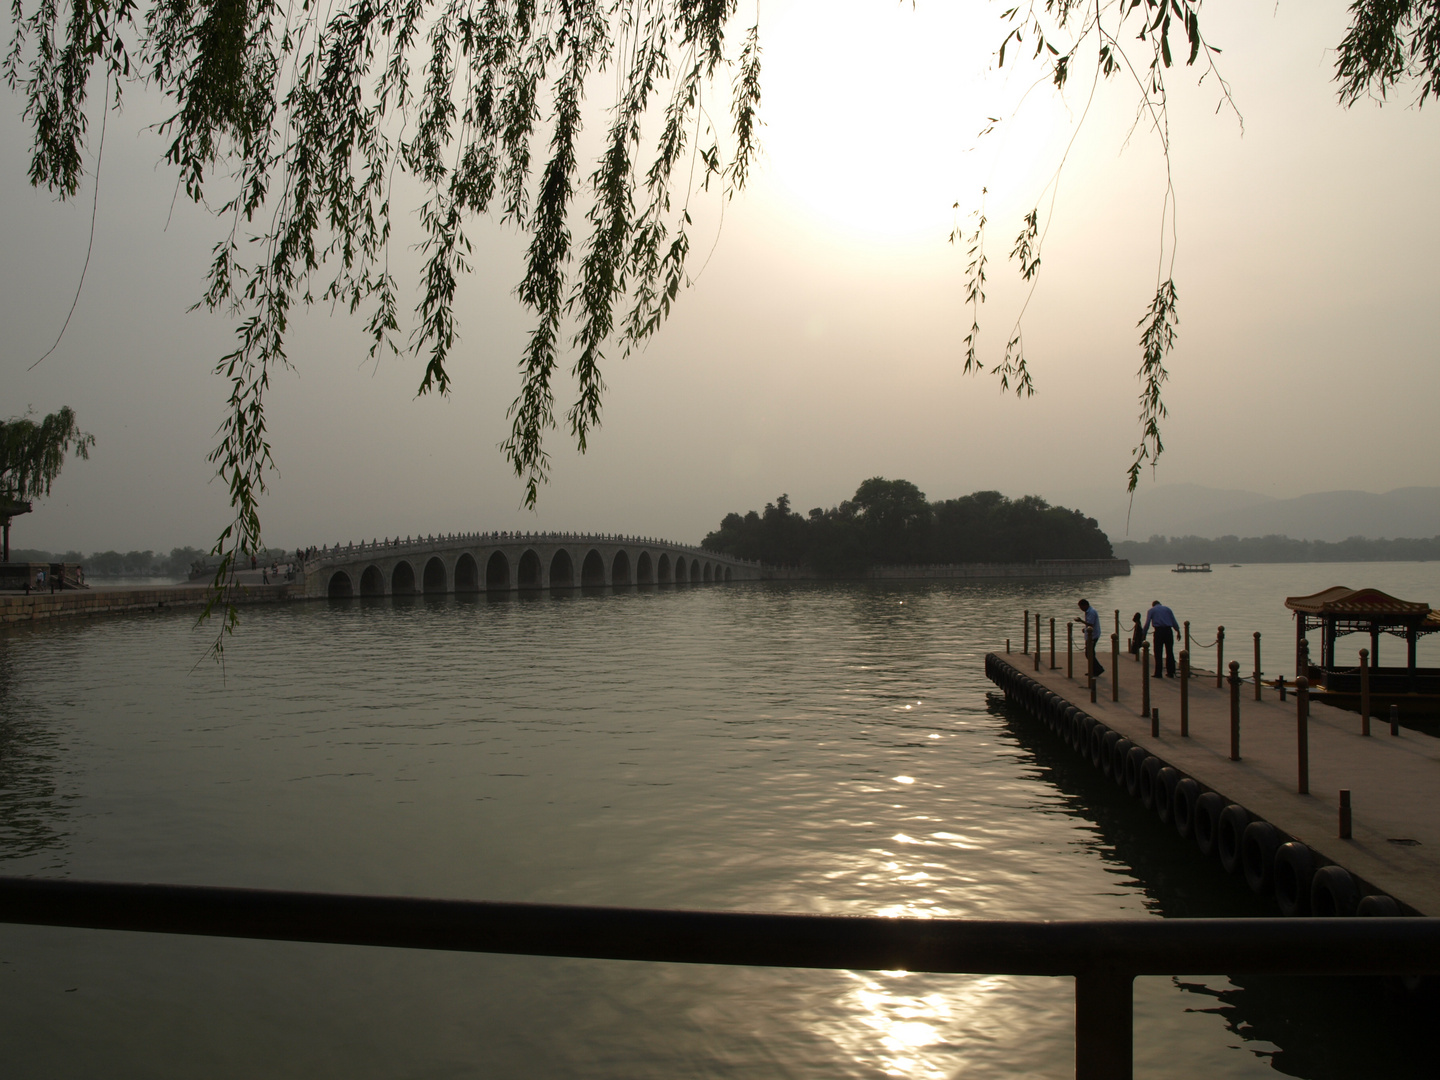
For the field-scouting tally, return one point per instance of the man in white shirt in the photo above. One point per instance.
(1091, 618)
(1163, 619)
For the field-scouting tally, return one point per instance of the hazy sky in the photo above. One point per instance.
(822, 342)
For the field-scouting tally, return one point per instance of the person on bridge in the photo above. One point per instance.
(1163, 620)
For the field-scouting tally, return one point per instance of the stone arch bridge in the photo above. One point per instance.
(505, 562)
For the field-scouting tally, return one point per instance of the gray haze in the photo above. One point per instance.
(1195, 510)
(822, 342)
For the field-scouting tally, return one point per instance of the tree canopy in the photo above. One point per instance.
(32, 454)
(890, 522)
(293, 123)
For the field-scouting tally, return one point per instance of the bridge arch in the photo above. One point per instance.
(434, 581)
(681, 575)
(644, 569)
(467, 574)
(372, 582)
(402, 579)
(592, 570)
(620, 569)
(497, 573)
(727, 578)
(340, 584)
(707, 577)
(528, 572)
(663, 571)
(562, 570)
(694, 571)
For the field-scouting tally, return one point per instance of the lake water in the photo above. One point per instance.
(805, 748)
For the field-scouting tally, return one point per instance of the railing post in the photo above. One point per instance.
(1257, 665)
(1219, 657)
(1234, 710)
(1302, 658)
(1344, 813)
(1090, 647)
(1364, 691)
(1185, 691)
(1104, 1026)
(1145, 677)
(1007, 646)
(1052, 643)
(1037, 641)
(1187, 635)
(1115, 667)
(1070, 650)
(1026, 649)
(1302, 732)
(1394, 719)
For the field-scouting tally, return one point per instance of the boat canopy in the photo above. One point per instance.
(1340, 610)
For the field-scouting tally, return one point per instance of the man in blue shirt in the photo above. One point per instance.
(1091, 618)
(1163, 619)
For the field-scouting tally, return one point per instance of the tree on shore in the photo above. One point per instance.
(293, 123)
(31, 457)
(890, 522)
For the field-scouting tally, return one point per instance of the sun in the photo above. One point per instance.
(873, 113)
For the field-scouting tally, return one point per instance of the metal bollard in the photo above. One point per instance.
(1302, 732)
(1280, 683)
(1114, 667)
(1234, 710)
(1155, 722)
(1070, 650)
(1344, 813)
(1219, 657)
(1394, 719)
(1145, 677)
(1257, 665)
(1364, 691)
(1090, 665)
(1052, 644)
(1184, 693)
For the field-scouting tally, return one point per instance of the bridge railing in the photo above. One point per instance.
(1103, 956)
(326, 553)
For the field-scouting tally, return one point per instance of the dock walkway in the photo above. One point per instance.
(1394, 781)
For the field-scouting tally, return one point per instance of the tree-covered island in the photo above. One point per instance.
(890, 522)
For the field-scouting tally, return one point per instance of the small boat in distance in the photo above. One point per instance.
(1191, 568)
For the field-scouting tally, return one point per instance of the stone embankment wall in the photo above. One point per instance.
(1043, 568)
(80, 602)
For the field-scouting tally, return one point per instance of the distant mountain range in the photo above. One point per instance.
(1196, 510)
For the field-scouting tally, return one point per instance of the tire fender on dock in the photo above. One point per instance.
(1182, 807)
(1118, 754)
(1165, 781)
(1134, 762)
(1258, 844)
(1097, 744)
(1107, 752)
(1149, 771)
(1206, 826)
(1333, 893)
(1294, 870)
(1234, 820)
(1378, 906)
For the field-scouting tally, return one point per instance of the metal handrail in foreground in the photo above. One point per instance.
(1103, 955)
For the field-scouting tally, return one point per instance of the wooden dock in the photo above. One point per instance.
(1394, 780)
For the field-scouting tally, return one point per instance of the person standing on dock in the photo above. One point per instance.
(1091, 618)
(1163, 620)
